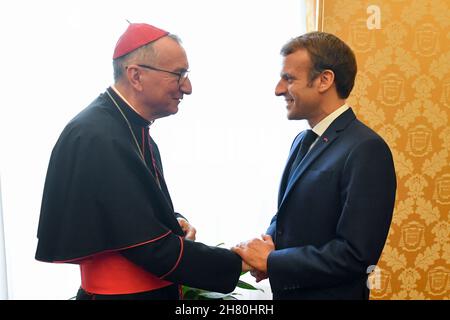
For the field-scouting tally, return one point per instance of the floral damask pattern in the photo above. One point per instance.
(402, 91)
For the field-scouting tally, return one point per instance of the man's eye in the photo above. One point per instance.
(288, 78)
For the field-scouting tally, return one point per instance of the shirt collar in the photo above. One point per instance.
(323, 125)
(129, 110)
(123, 98)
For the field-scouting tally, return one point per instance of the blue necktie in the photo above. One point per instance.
(307, 141)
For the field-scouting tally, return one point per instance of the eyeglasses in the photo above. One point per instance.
(182, 76)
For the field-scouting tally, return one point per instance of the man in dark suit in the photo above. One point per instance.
(337, 191)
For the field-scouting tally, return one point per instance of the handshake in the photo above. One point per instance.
(254, 254)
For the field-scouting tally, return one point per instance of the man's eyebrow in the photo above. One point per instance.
(286, 75)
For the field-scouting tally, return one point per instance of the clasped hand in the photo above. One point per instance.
(254, 254)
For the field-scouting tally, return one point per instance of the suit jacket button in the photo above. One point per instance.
(279, 232)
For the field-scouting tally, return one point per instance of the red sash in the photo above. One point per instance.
(111, 273)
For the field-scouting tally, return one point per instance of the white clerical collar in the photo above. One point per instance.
(323, 125)
(123, 98)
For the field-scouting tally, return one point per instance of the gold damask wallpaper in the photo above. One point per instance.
(403, 92)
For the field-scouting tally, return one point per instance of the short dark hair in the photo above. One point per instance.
(327, 51)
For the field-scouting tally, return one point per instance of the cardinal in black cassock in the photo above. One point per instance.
(106, 205)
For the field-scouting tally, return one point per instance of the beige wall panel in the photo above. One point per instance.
(403, 92)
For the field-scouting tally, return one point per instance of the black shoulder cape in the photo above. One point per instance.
(99, 195)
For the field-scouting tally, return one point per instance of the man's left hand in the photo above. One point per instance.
(188, 229)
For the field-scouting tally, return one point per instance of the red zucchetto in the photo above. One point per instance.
(137, 35)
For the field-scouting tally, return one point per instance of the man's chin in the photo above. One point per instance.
(292, 116)
(173, 109)
(172, 112)
(290, 113)
(168, 113)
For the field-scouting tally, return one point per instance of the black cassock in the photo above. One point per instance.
(102, 194)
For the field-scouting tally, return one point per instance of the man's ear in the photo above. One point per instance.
(134, 77)
(326, 80)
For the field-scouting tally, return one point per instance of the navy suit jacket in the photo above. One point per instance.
(333, 214)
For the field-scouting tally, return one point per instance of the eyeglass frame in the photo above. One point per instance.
(182, 76)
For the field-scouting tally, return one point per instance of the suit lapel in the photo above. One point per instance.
(294, 150)
(324, 141)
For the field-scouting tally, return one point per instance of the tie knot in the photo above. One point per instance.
(309, 138)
